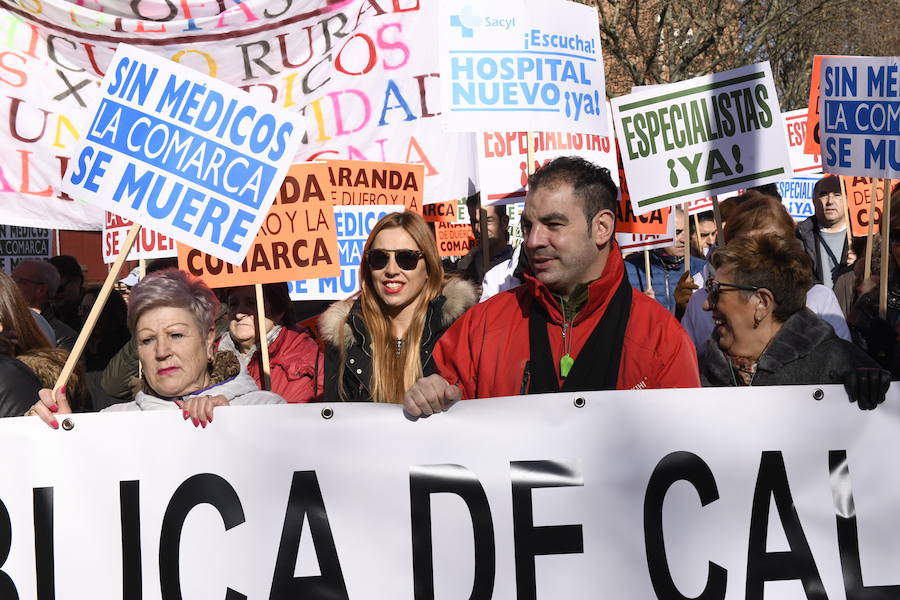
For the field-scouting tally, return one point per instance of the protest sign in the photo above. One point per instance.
(633, 242)
(367, 183)
(505, 61)
(364, 76)
(276, 502)
(297, 239)
(701, 137)
(860, 116)
(454, 239)
(797, 196)
(859, 200)
(442, 212)
(795, 123)
(148, 245)
(812, 144)
(23, 243)
(503, 159)
(183, 153)
(352, 225)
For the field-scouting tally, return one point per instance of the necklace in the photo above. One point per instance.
(398, 346)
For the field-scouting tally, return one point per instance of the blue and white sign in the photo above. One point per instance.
(353, 225)
(183, 153)
(860, 115)
(796, 196)
(511, 62)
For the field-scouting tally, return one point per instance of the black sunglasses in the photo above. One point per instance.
(406, 259)
(715, 288)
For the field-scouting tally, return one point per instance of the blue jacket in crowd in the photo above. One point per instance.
(663, 278)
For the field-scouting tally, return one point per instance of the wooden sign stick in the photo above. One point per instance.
(717, 214)
(868, 265)
(96, 309)
(686, 223)
(847, 207)
(262, 341)
(885, 230)
(647, 269)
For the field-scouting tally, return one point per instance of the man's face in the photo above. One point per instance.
(677, 249)
(704, 238)
(496, 226)
(29, 281)
(562, 249)
(830, 209)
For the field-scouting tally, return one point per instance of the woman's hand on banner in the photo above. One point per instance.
(199, 409)
(430, 395)
(48, 406)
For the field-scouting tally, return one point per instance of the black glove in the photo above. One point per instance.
(881, 338)
(866, 386)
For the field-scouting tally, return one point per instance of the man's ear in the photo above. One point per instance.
(603, 227)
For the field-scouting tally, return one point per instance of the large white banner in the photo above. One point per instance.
(363, 75)
(701, 137)
(746, 493)
(513, 61)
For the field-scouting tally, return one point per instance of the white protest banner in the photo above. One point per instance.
(362, 74)
(353, 225)
(704, 136)
(503, 159)
(514, 61)
(860, 115)
(797, 196)
(148, 245)
(278, 502)
(795, 124)
(183, 153)
(23, 243)
(635, 242)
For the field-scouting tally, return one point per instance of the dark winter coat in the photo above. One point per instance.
(808, 234)
(805, 352)
(458, 295)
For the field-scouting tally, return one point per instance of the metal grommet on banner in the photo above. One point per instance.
(68, 424)
(327, 413)
(818, 394)
(580, 402)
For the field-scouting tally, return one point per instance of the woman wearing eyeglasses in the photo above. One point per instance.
(765, 335)
(379, 343)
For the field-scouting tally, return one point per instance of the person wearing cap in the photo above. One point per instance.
(824, 235)
(38, 281)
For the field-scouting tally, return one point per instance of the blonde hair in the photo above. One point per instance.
(392, 375)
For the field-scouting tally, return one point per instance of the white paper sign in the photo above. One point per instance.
(184, 154)
(860, 115)
(701, 137)
(353, 225)
(796, 196)
(795, 128)
(503, 159)
(628, 495)
(635, 242)
(148, 245)
(513, 61)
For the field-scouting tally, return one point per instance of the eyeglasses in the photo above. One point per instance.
(715, 288)
(406, 259)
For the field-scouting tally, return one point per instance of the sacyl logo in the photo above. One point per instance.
(467, 21)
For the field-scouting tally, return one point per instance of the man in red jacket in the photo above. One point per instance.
(575, 324)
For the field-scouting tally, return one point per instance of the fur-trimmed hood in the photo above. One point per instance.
(456, 298)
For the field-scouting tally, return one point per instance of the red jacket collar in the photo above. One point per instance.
(600, 291)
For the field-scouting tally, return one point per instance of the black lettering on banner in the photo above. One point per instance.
(7, 587)
(531, 541)
(130, 511)
(71, 89)
(42, 504)
(798, 563)
(204, 488)
(848, 534)
(425, 480)
(306, 500)
(677, 466)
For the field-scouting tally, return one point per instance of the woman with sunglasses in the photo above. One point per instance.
(379, 343)
(765, 335)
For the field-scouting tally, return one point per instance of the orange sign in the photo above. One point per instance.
(440, 212)
(812, 110)
(364, 183)
(859, 199)
(454, 239)
(296, 241)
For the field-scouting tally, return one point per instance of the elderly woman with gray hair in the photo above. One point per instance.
(171, 317)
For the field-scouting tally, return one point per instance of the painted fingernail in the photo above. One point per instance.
(63, 389)
(186, 414)
(203, 424)
(54, 424)
(53, 408)
(210, 418)
(196, 422)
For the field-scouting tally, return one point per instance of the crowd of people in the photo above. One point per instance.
(769, 304)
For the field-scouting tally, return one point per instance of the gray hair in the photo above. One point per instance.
(176, 289)
(45, 272)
